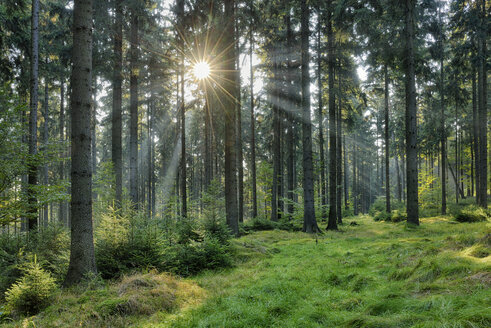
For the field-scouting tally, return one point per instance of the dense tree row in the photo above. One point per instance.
(282, 119)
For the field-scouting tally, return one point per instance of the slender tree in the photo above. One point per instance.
(228, 89)
(82, 259)
(32, 179)
(332, 219)
(253, 119)
(411, 133)
(117, 124)
(309, 220)
(134, 104)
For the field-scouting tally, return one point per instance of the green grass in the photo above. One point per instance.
(375, 274)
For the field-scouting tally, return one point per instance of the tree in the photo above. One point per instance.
(411, 133)
(33, 118)
(228, 90)
(332, 219)
(309, 221)
(82, 258)
(117, 124)
(134, 72)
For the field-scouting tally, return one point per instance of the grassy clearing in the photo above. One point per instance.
(374, 274)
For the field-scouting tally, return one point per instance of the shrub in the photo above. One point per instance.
(190, 259)
(471, 213)
(398, 216)
(382, 216)
(33, 291)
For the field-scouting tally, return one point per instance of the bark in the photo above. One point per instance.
(345, 171)
(276, 144)
(82, 259)
(322, 164)
(443, 138)
(32, 179)
(309, 221)
(134, 107)
(386, 135)
(253, 124)
(183, 175)
(240, 156)
(45, 142)
(482, 109)
(61, 167)
(339, 172)
(332, 219)
(229, 106)
(116, 128)
(290, 160)
(411, 132)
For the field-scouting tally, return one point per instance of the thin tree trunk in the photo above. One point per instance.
(61, 167)
(229, 106)
(345, 171)
(386, 134)
(117, 125)
(253, 124)
(322, 164)
(32, 179)
(240, 157)
(482, 108)
(309, 221)
(45, 144)
(332, 220)
(276, 144)
(411, 125)
(339, 172)
(443, 138)
(290, 161)
(134, 107)
(82, 259)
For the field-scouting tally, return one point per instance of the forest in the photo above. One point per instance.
(244, 163)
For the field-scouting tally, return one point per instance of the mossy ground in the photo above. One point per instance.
(374, 274)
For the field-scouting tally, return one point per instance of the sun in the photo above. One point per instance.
(201, 70)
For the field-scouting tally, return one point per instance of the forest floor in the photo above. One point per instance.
(374, 274)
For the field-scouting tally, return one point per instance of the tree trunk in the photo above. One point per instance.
(229, 86)
(443, 138)
(290, 160)
(309, 221)
(322, 164)
(61, 168)
(339, 172)
(32, 179)
(134, 107)
(411, 132)
(82, 259)
(332, 220)
(117, 125)
(276, 144)
(253, 124)
(482, 109)
(240, 157)
(386, 134)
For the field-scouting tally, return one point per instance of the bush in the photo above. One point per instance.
(190, 259)
(382, 216)
(32, 292)
(398, 216)
(124, 245)
(471, 213)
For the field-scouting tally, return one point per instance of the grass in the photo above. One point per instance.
(374, 274)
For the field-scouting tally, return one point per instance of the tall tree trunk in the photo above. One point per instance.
(134, 107)
(117, 125)
(411, 125)
(386, 134)
(183, 166)
(339, 172)
(290, 157)
(61, 167)
(32, 179)
(93, 124)
(253, 123)
(443, 138)
(482, 108)
(82, 259)
(229, 106)
(398, 174)
(332, 220)
(240, 156)
(322, 164)
(45, 146)
(276, 143)
(345, 171)
(309, 221)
